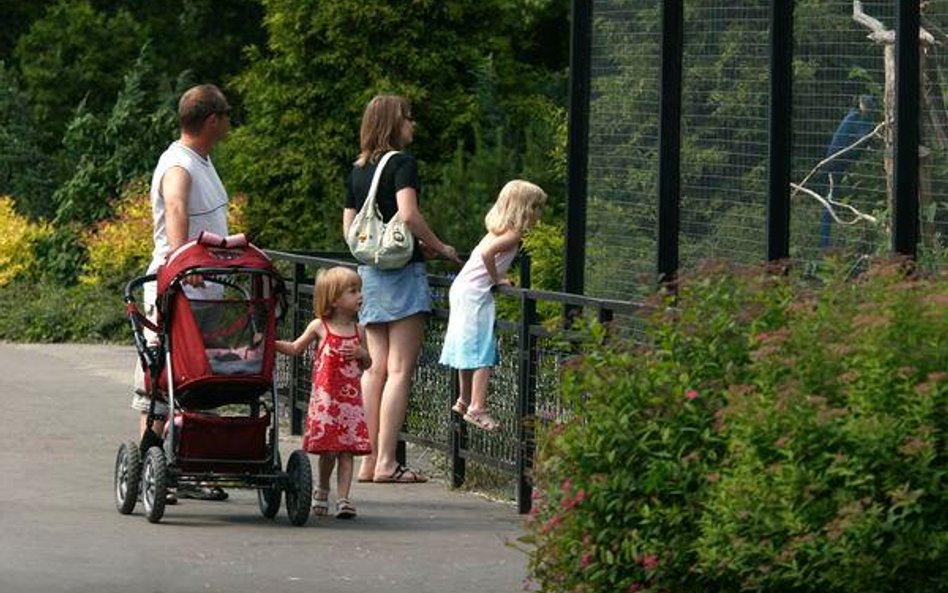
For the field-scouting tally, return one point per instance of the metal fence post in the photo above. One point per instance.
(580, 71)
(905, 179)
(781, 113)
(458, 437)
(669, 141)
(296, 415)
(526, 392)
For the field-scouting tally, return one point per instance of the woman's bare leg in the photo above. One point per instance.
(404, 342)
(373, 380)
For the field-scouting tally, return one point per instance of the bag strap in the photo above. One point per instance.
(373, 189)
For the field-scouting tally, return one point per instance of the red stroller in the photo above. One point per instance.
(211, 360)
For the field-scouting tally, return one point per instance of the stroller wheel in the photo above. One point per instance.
(268, 497)
(128, 473)
(154, 484)
(299, 483)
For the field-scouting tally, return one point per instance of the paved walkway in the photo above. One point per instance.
(65, 411)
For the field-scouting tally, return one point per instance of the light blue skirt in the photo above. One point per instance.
(469, 341)
(392, 295)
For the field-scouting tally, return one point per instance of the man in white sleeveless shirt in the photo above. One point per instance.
(187, 197)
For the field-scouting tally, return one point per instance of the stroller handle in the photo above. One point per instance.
(150, 355)
(136, 283)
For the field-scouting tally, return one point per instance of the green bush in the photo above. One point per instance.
(53, 312)
(18, 236)
(771, 438)
(26, 172)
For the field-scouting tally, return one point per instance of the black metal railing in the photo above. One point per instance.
(524, 388)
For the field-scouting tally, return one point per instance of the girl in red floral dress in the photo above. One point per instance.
(335, 423)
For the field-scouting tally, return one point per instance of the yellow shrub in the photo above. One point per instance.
(237, 214)
(17, 238)
(120, 247)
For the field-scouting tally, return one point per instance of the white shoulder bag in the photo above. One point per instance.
(385, 245)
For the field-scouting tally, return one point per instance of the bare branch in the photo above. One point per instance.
(879, 33)
(836, 155)
(831, 205)
(828, 203)
(864, 19)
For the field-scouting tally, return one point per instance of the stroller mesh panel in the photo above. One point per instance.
(232, 324)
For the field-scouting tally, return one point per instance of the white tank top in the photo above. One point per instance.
(207, 201)
(474, 276)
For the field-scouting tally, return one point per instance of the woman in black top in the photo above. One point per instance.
(395, 302)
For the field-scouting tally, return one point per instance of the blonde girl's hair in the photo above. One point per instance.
(517, 207)
(381, 126)
(330, 284)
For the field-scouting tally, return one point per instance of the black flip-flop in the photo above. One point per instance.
(399, 477)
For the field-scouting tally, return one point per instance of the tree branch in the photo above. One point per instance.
(879, 33)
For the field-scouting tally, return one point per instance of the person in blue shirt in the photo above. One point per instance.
(857, 123)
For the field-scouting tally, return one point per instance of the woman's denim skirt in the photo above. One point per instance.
(391, 295)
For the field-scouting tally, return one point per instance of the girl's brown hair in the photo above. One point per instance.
(330, 284)
(381, 126)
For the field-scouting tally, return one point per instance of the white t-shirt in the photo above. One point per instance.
(207, 203)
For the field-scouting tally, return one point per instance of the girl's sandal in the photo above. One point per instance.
(481, 419)
(320, 502)
(345, 509)
(459, 407)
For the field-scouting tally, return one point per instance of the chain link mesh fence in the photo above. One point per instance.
(843, 132)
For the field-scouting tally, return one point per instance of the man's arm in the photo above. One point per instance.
(175, 188)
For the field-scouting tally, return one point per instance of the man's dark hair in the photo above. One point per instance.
(197, 104)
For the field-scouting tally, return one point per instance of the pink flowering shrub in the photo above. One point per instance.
(772, 437)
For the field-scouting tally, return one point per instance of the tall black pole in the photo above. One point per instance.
(580, 67)
(669, 140)
(781, 114)
(905, 208)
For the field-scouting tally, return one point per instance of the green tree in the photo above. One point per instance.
(17, 16)
(26, 172)
(111, 150)
(204, 37)
(304, 95)
(74, 54)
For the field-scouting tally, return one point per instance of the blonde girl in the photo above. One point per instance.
(469, 343)
(335, 423)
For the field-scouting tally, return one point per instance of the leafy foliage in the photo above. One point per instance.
(201, 39)
(75, 53)
(26, 172)
(17, 238)
(99, 146)
(770, 438)
(120, 247)
(53, 312)
(305, 93)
